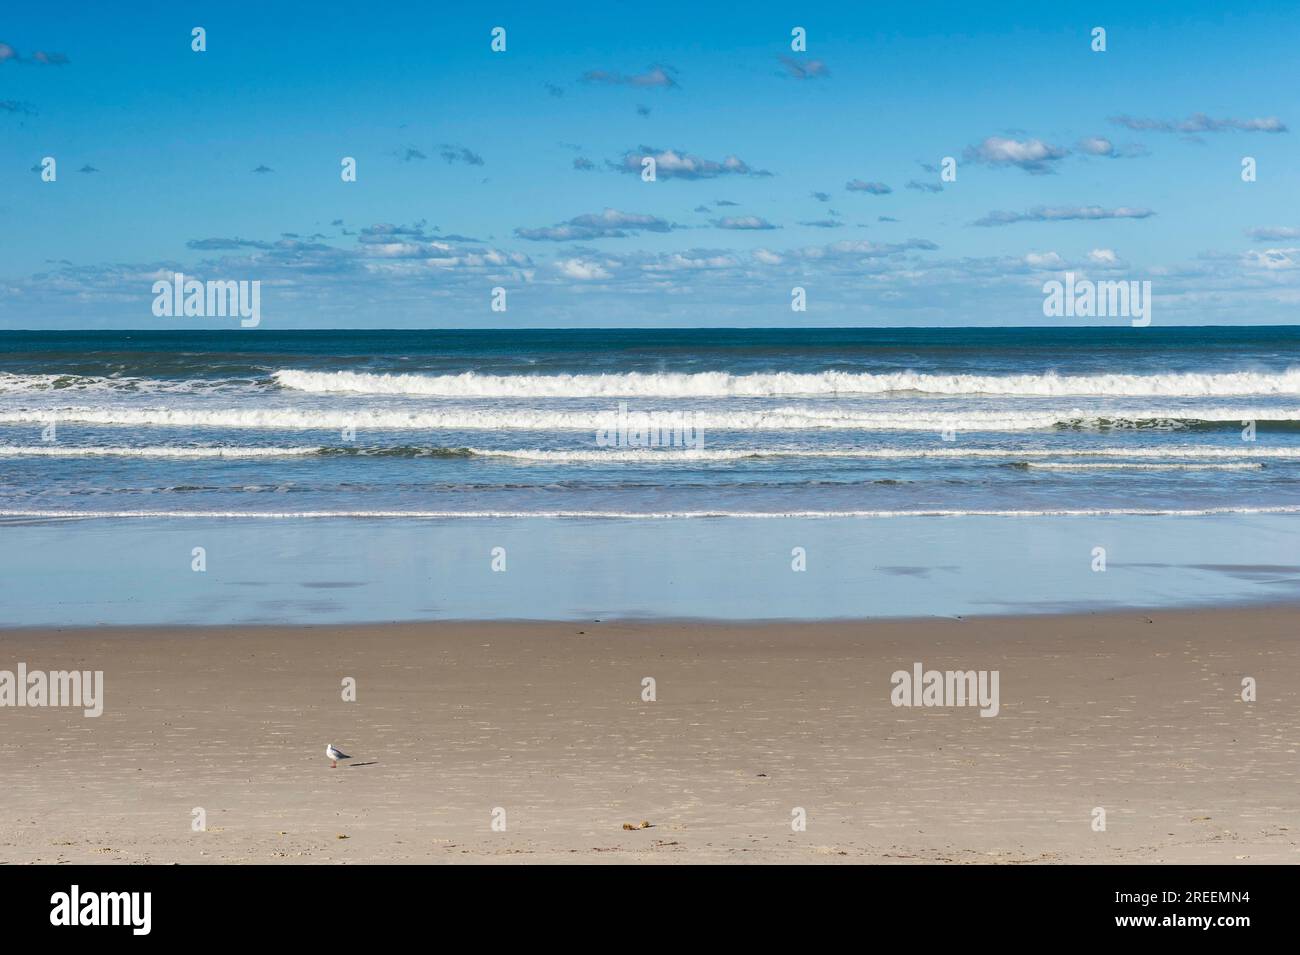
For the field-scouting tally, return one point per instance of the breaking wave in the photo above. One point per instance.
(714, 384)
(792, 418)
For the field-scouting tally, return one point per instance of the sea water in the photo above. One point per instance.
(370, 475)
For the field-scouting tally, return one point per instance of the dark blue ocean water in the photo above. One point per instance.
(721, 421)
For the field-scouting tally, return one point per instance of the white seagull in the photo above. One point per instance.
(334, 754)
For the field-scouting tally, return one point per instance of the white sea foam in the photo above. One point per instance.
(640, 456)
(1110, 466)
(723, 384)
(646, 515)
(675, 455)
(791, 418)
(36, 384)
(714, 384)
(64, 451)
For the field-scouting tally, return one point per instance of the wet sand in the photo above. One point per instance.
(1139, 714)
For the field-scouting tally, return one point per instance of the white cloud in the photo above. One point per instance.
(582, 269)
(742, 222)
(1031, 155)
(690, 261)
(1044, 260)
(1062, 214)
(1274, 232)
(679, 164)
(609, 224)
(1274, 260)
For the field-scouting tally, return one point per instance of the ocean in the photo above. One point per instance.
(115, 446)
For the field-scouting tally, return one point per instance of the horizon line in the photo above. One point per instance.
(671, 328)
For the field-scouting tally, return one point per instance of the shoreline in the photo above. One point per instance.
(860, 515)
(1135, 712)
(700, 623)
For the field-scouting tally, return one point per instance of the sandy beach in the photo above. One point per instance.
(1139, 714)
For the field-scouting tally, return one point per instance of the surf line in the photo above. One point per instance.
(640, 515)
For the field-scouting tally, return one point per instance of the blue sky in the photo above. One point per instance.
(479, 169)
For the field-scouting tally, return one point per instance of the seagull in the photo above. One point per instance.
(334, 754)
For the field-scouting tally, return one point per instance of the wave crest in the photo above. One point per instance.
(792, 418)
(718, 384)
